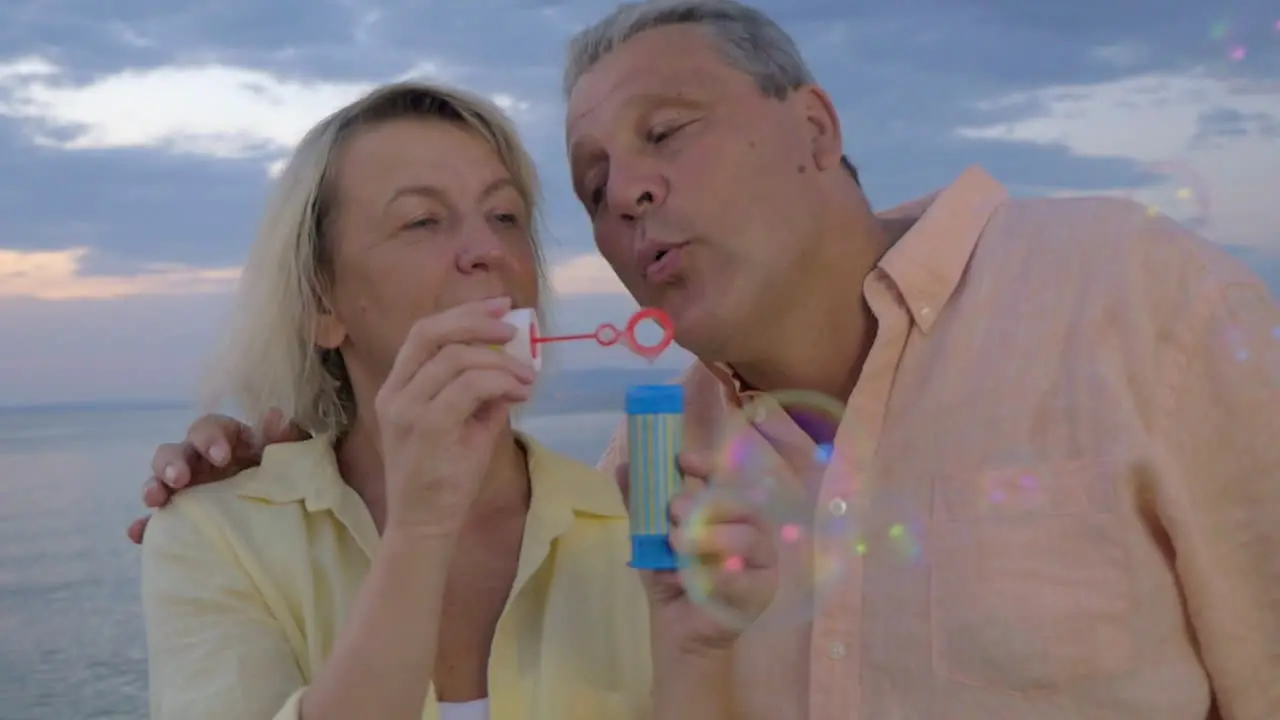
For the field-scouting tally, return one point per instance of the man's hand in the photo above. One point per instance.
(774, 480)
(217, 447)
(733, 545)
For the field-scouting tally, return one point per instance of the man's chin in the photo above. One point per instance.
(697, 328)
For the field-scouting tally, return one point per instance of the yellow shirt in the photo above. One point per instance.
(245, 584)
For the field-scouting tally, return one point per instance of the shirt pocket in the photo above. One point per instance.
(1030, 583)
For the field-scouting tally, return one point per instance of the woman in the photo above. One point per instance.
(417, 551)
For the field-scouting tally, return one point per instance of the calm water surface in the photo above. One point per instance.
(71, 637)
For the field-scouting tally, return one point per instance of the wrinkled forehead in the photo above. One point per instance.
(605, 101)
(659, 61)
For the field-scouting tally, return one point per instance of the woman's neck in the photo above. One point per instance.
(504, 489)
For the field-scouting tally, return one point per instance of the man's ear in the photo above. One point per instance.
(826, 140)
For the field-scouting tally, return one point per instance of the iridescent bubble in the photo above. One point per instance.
(903, 539)
(894, 534)
(772, 461)
(1182, 194)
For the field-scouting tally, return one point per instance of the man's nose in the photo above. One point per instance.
(636, 192)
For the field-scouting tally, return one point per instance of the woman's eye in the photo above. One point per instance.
(508, 219)
(421, 223)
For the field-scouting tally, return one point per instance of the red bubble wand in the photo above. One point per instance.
(608, 334)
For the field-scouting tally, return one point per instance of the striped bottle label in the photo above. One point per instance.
(653, 441)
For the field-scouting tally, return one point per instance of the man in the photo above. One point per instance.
(1075, 402)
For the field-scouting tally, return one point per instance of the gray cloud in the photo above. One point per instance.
(904, 75)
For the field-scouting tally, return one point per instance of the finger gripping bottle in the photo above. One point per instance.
(655, 429)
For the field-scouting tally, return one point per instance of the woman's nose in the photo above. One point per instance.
(481, 251)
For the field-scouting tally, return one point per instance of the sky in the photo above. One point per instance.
(138, 140)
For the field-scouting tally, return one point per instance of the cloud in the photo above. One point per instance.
(586, 274)
(1209, 143)
(1125, 54)
(81, 336)
(57, 275)
(147, 336)
(128, 36)
(152, 348)
(61, 275)
(210, 109)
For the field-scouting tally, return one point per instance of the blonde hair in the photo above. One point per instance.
(269, 358)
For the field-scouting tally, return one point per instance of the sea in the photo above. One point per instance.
(72, 644)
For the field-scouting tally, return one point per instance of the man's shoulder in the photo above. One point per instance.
(1109, 228)
(1100, 244)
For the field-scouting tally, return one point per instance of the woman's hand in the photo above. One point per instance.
(440, 411)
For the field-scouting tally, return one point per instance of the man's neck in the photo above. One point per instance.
(822, 340)
(504, 491)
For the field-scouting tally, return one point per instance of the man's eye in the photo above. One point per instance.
(660, 135)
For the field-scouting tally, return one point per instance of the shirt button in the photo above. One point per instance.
(838, 507)
(836, 651)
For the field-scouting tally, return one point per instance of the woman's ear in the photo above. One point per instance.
(329, 330)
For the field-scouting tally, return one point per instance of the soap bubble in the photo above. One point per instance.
(1181, 194)
(771, 462)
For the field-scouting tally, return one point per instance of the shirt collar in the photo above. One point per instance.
(927, 262)
(307, 472)
(568, 482)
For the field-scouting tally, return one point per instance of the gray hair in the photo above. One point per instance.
(748, 39)
(270, 358)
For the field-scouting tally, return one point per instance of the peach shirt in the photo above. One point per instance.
(1072, 407)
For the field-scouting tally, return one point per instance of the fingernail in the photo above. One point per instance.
(501, 304)
(219, 454)
(170, 474)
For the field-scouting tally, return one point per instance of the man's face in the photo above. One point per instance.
(699, 186)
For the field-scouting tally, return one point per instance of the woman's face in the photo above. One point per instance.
(425, 217)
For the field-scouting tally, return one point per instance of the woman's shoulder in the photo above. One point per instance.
(258, 497)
